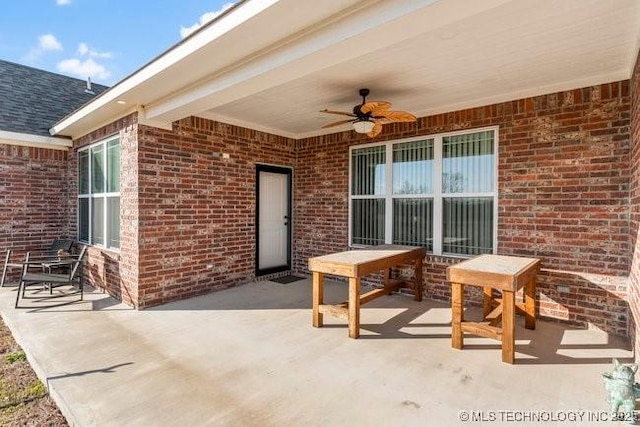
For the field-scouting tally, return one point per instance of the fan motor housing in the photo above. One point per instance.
(360, 114)
(364, 92)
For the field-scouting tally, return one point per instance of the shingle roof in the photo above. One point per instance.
(32, 100)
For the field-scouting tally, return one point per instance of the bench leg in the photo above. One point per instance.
(457, 307)
(354, 307)
(508, 326)
(530, 304)
(386, 279)
(418, 281)
(486, 301)
(318, 297)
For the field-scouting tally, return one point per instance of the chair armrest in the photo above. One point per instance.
(49, 264)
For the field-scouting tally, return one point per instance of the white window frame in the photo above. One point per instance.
(437, 194)
(104, 196)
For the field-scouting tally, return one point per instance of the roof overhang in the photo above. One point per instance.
(271, 65)
(28, 140)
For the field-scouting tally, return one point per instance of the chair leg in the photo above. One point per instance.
(4, 269)
(4, 274)
(20, 285)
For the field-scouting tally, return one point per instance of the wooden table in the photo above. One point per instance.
(355, 265)
(507, 274)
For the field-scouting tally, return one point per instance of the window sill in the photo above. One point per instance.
(429, 254)
(115, 251)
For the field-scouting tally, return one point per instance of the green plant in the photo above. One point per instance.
(16, 356)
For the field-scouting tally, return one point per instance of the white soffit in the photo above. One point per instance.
(272, 65)
(250, 27)
(28, 140)
(519, 49)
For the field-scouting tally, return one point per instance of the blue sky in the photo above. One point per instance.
(106, 39)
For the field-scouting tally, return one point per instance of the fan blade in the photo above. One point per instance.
(395, 117)
(376, 108)
(377, 128)
(342, 113)
(341, 122)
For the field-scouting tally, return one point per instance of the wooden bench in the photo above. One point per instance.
(507, 274)
(355, 265)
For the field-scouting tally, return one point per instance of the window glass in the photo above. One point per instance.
(403, 210)
(368, 221)
(83, 220)
(113, 165)
(413, 167)
(368, 171)
(97, 220)
(113, 213)
(468, 163)
(467, 225)
(97, 169)
(99, 194)
(413, 222)
(83, 172)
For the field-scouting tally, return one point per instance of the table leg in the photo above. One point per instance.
(457, 306)
(487, 300)
(530, 304)
(318, 297)
(354, 307)
(508, 326)
(417, 292)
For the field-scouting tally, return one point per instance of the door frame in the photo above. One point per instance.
(288, 171)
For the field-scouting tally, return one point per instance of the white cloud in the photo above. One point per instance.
(83, 49)
(206, 17)
(84, 69)
(48, 42)
(63, 2)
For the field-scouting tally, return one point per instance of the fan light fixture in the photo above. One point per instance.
(369, 117)
(363, 126)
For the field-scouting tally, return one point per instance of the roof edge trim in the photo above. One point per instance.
(232, 18)
(38, 141)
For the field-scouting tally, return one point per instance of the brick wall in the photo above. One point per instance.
(113, 271)
(634, 276)
(33, 198)
(183, 208)
(563, 195)
(197, 208)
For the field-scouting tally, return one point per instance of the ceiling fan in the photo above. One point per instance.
(369, 117)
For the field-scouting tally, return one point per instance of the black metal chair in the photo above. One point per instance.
(49, 254)
(57, 245)
(44, 277)
(8, 265)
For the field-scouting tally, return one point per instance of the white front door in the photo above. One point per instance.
(273, 219)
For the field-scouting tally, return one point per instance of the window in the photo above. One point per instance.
(439, 192)
(99, 194)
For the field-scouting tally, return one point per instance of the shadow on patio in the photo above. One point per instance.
(399, 317)
(249, 356)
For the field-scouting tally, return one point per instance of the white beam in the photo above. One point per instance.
(241, 13)
(370, 27)
(28, 140)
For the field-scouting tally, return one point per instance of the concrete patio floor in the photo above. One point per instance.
(249, 356)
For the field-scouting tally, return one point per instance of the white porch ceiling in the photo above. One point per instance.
(276, 70)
